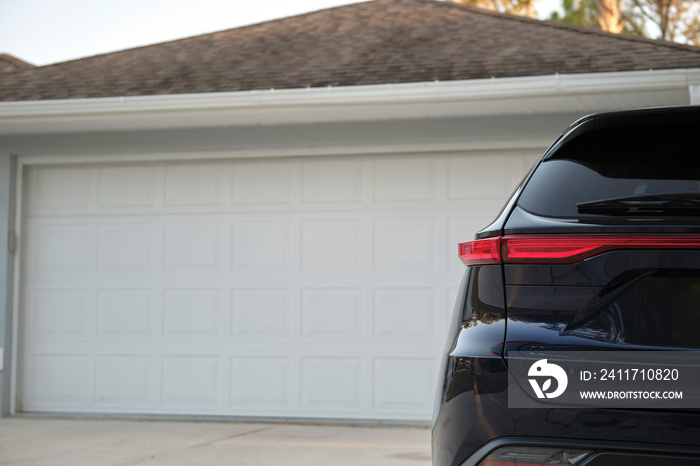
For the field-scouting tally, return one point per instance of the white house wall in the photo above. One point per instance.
(7, 263)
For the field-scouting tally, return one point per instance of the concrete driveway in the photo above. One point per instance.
(54, 441)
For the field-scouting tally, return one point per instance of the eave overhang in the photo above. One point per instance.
(577, 93)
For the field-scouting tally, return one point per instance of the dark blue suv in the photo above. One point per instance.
(597, 250)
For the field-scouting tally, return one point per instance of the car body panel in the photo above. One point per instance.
(623, 299)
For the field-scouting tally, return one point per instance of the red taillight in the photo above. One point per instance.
(517, 455)
(509, 463)
(568, 249)
(481, 251)
(561, 249)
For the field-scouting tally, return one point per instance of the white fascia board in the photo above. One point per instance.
(292, 103)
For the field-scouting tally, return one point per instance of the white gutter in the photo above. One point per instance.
(431, 99)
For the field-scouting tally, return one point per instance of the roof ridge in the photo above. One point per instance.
(438, 3)
(558, 25)
(221, 31)
(16, 61)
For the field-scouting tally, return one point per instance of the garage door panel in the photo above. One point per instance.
(125, 314)
(404, 384)
(487, 176)
(261, 246)
(405, 179)
(61, 248)
(126, 186)
(334, 314)
(59, 189)
(194, 185)
(125, 248)
(268, 182)
(260, 382)
(335, 181)
(404, 245)
(405, 315)
(333, 245)
(332, 384)
(57, 380)
(59, 314)
(261, 314)
(193, 247)
(308, 287)
(190, 381)
(192, 313)
(123, 380)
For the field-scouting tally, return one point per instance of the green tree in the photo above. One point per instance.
(578, 12)
(675, 20)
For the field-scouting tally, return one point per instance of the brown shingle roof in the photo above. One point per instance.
(376, 42)
(10, 64)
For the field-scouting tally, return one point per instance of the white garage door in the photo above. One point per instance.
(297, 287)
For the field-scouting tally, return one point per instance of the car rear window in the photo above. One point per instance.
(611, 163)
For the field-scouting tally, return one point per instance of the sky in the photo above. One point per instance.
(42, 32)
